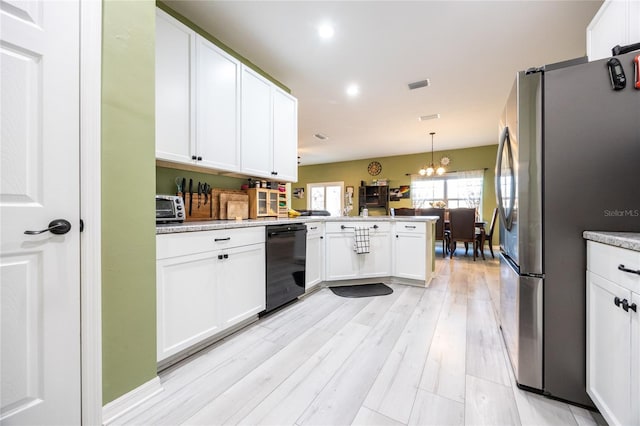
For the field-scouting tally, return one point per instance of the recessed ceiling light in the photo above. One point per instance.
(353, 90)
(428, 117)
(325, 31)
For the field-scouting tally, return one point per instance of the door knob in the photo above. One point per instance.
(57, 226)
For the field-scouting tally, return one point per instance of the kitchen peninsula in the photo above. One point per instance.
(211, 275)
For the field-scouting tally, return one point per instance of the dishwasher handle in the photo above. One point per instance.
(285, 233)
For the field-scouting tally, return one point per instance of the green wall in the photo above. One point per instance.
(396, 168)
(128, 206)
(165, 180)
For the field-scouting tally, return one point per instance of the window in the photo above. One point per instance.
(459, 189)
(325, 196)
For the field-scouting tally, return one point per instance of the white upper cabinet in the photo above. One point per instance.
(257, 145)
(197, 99)
(213, 112)
(269, 129)
(175, 50)
(285, 136)
(616, 23)
(217, 107)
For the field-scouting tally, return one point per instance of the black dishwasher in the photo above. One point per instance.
(286, 256)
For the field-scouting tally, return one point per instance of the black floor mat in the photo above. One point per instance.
(362, 290)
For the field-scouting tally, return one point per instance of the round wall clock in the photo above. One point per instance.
(374, 168)
(445, 161)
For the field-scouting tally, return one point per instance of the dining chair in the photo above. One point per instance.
(441, 233)
(488, 236)
(405, 211)
(462, 226)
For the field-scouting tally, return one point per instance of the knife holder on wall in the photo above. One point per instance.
(200, 210)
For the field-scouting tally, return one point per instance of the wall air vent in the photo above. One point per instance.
(428, 117)
(321, 136)
(419, 84)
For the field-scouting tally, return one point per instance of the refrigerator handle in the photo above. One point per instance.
(620, 50)
(504, 150)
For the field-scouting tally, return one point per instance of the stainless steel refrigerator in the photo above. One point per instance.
(568, 161)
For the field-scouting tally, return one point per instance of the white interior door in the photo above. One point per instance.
(39, 287)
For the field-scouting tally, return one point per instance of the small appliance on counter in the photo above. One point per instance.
(169, 208)
(314, 213)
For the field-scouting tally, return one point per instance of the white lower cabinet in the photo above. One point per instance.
(343, 263)
(314, 268)
(241, 290)
(186, 293)
(410, 250)
(613, 333)
(206, 283)
(377, 263)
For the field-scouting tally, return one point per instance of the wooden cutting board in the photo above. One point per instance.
(215, 199)
(237, 209)
(225, 197)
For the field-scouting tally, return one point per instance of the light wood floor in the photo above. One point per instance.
(417, 357)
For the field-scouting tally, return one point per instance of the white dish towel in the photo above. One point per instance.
(361, 243)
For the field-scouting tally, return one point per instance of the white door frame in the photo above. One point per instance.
(90, 210)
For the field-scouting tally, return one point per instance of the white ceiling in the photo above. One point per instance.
(470, 51)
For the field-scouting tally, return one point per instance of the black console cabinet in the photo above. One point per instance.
(373, 197)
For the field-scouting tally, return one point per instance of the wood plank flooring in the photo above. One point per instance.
(416, 357)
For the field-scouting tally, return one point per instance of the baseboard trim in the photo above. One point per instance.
(127, 402)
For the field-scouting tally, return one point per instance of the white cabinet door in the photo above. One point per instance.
(315, 255)
(608, 350)
(376, 263)
(175, 101)
(241, 285)
(285, 136)
(186, 295)
(615, 23)
(410, 256)
(217, 107)
(341, 261)
(257, 137)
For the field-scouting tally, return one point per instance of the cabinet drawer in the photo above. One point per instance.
(181, 244)
(336, 227)
(411, 227)
(315, 229)
(604, 260)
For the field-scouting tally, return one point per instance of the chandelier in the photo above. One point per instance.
(431, 169)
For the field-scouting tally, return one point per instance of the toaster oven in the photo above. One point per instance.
(169, 208)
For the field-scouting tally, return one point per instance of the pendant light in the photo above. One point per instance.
(431, 169)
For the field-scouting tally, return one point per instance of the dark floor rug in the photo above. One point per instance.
(362, 290)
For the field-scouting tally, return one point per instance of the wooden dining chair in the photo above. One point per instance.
(441, 233)
(405, 211)
(462, 226)
(488, 236)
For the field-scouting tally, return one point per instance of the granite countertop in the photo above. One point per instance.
(627, 240)
(210, 225)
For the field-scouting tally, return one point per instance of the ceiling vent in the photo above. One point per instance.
(321, 136)
(419, 84)
(428, 117)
